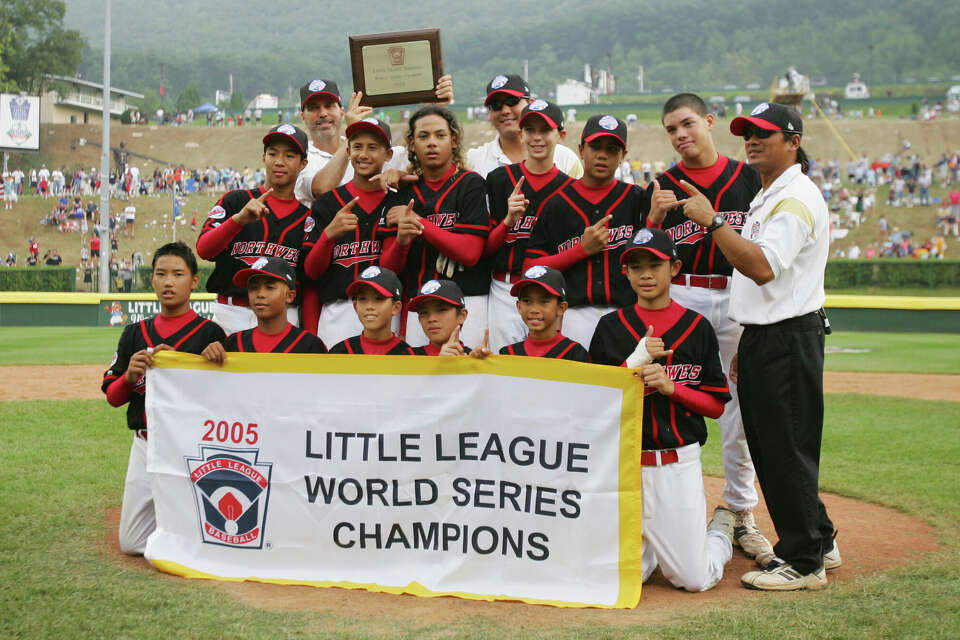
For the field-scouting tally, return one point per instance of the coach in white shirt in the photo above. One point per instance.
(507, 95)
(777, 295)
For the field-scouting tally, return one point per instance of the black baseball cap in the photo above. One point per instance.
(546, 277)
(315, 88)
(771, 116)
(380, 278)
(375, 125)
(290, 133)
(273, 267)
(551, 113)
(510, 84)
(444, 290)
(656, 241)
(605, 125)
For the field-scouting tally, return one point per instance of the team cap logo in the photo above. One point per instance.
(372, 121)
(538, 105)
(370, 272)
(287, 129)
(608, 122)
(643, 237)
(498, 82)
(760, 108)
(259, 264)
(317, 85)
(429, 287)
(537, 271)
(231, 488)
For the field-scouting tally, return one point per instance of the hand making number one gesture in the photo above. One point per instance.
(697, 207)
(517, 205)
(253, 210)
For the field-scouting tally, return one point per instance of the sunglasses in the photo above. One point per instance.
(498, 103)
(763, 134)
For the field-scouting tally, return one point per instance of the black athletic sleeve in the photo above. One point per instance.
(121, 357)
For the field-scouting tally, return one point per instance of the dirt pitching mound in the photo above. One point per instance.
(871, 539)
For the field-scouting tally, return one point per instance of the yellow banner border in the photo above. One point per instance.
(631, 416)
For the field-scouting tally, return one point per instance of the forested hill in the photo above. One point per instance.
(681, 43)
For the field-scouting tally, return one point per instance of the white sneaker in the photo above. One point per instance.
(781, 576)
(832, 559)
(747, 536)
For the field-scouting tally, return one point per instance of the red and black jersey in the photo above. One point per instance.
(355, 345)
(564, 349)
(694, 363)
(292, 340)
(193, 337)
(352, 252)
(272, 236)
(430, 350)
(459, 205)
(597, 279)
(500, 184)
(733, 187)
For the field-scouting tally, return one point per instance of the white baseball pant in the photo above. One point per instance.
(138, 518)
(504, 321)
(233, 318)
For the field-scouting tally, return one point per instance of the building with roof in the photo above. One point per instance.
(77, 101)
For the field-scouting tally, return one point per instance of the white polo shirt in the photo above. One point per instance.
(789, 222)
(317, 159)
(489, 156)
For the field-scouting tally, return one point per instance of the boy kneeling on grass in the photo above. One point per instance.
(271, 287)
(442, 310)
(376, 299)
(178, 327)
(682, 384)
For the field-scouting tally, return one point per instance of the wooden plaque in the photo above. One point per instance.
(401, 67)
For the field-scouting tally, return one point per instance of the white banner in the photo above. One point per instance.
(19, 122)
(510, 478)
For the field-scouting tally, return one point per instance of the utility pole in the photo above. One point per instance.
(104, 279)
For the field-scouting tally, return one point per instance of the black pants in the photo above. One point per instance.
(780, 387)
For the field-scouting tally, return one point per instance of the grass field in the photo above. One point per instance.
(62, 465)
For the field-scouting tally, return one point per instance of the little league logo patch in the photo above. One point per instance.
(259, 264)
(429, 287)
(537, 271)
(309, 224)
(217, 212)
(538, 105)
(317, 85)
(760, 108)
(372, 121)
(608, 122)
(498, 82)
(755, 230)
(231, 488)
(643, 237)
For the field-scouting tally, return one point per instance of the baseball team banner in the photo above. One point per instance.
(509, 478)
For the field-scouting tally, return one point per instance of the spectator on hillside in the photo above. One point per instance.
(31, 260)
(53, 259)
(853, 252)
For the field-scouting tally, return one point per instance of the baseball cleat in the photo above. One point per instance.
(722, 522)
(781, 576)
(832, 559)
(747, 536)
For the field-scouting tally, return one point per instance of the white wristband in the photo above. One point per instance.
(640, 356)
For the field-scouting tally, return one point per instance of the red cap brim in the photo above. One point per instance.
(356, 284)
(515, 289)
(367, 126)
(594, 136)
(285, 136)
(546, 118)
(659, 254)
(240, 278)
(509, 92)
(313, 95)
(416, 301)
(738, 124)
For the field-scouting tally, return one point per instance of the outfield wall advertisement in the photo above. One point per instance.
(509, 478)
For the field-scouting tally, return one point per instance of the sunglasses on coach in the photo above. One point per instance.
(763, 134)
(498, 103)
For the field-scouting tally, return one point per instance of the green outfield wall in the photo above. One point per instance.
(904, 314)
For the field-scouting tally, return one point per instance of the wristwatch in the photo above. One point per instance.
(718, 221)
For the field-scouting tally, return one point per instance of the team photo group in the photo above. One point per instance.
(708, 283)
